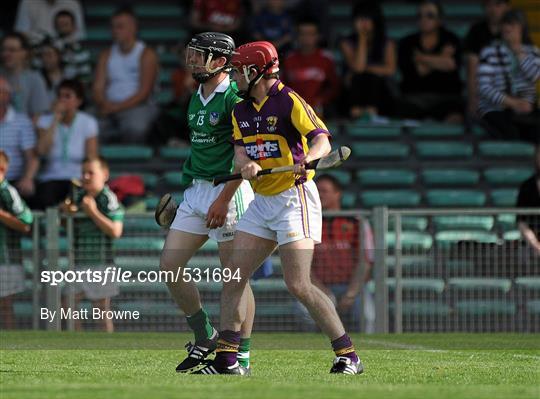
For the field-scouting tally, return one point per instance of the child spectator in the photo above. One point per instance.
(370, 61)
(529, 197)
(481, 35)
(15, 220)
(65, 138)
(429, 61)
(274, 24)
(75, 59)
(311, 71)
(93, 235)
(507, 75)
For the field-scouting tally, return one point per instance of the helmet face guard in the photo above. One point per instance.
(245, 94)
(199, 61)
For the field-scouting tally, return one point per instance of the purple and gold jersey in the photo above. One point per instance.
(275, 133)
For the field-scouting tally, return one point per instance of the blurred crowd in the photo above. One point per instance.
(57, 105)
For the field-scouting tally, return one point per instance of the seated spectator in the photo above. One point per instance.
(29, 92)
(35, 18)
(274, 24)
(429, 62)
(220, 16)
(51, 68)
(529, 225)
(18, 141)
(15, 220)
(65, 138)
(75, 58)
(370, 61)
(92, 245)
(310, 70)
(507, 75)
(335, 268)
(126, 77)
(481, 35)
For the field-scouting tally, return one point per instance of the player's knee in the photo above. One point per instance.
(301, 290)
(167, 263)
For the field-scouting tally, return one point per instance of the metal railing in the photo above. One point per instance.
(434, 270)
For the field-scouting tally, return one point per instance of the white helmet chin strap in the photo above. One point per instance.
(245, 71)
(207, 66)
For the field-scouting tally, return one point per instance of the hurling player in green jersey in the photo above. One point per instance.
(206, 211)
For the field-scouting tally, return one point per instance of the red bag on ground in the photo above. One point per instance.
(127, 185)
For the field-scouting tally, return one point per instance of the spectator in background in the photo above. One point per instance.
(311, 71)
(370, 59)
(18, 141)
(52, 69)
(429, 62)
(274, 24)
(335, 268)
(15, 219)
(220, 16)
(529, 225)
(35, 18)
(481, 35)
(75, 58)
(65, 138)
(125, 80)
(93, 235)
(172, 125)
(28, 89)
(507, 74)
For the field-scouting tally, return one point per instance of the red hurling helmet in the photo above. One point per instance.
(262, 56)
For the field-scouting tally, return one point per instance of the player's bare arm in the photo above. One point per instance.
(12, 222)
(217, 212)
(248, 168)
(320, 146)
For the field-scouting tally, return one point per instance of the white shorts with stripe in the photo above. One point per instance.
(291, 215)
(191, 214)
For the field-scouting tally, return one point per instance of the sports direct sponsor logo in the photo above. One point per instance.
(263, 150)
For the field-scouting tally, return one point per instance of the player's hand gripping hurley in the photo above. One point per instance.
(332, 160)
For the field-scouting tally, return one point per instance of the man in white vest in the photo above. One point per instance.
(124, 83)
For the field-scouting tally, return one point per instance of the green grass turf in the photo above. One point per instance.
(141, 365)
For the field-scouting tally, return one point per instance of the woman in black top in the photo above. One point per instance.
(429, 61)
(370, 62)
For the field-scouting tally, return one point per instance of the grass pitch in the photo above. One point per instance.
(141, 365)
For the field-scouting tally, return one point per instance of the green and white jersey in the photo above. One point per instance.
(10, 240)
(92, 247)
(210, 126)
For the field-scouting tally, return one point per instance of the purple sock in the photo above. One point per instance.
(227, 348)
(343, 346)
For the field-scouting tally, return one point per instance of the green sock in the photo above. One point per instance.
(200, 324)
(243, 351)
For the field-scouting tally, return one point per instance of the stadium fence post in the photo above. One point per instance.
(361, 272)
(380, 222)
(70, 324)
(53, 246)
(398, 316)
(36, 262)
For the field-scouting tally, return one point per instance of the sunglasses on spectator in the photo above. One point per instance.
(427, 15)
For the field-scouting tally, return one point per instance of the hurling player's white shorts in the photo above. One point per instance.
(291, 215)
(191, 214)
